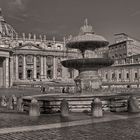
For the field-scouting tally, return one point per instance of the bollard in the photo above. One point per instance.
(20, 104)
(34, 109)
(96, 108)
(64, 107)
(133, 105)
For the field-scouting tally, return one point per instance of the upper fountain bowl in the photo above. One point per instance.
(86, 39)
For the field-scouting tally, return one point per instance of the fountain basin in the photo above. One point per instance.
(85, 45)
(87, 63)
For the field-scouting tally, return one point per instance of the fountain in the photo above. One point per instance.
(88, 82)
(87, 42)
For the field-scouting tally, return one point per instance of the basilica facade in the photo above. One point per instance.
(31, 58)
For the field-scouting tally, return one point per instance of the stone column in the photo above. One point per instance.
(45, 70)
(16, 67)
(123, 74)
(11, 71)
(6, 72)
(131, 75)
(116, 74)
(41, 67)
(34, 67)
(54, 68)
(24, 67)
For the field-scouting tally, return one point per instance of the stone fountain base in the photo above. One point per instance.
(88, 81)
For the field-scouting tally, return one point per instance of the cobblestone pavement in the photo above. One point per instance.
(114, 130)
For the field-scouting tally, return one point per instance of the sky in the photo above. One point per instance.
(61, 18)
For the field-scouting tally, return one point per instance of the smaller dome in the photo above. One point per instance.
(6, 30)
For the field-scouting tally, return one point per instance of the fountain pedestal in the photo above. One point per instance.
(88, 81)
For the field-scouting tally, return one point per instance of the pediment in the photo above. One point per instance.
(29, 46)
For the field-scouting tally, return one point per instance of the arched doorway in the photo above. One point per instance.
(49, 74)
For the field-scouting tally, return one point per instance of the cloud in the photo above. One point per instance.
(15, 5)
(135, 13)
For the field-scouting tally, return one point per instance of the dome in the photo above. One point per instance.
(87, 39)
(6, 30)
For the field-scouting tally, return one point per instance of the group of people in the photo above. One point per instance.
(68, 89)
(11, 102)
(42, 89)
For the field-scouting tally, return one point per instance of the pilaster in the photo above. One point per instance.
(42, 67)
(54, 68)
(24, 67)
(45, 69)
(16, 68)
(6, 72)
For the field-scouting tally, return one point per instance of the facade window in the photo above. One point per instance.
(106, 76)
(20, 75)
(113, 75)
(49, 61)
(58, 46)
(49, 74)
(136, 75)
(20, 44)
(127, 75)
(29, 59)
(120, 75)
(49, 45)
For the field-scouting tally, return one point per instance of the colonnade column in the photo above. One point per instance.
(24, 67)
(54, 67)
(41, 68)
(131, 75)
(45, 70)
(123, 74)
(11, 71)
(6, 72)
(34, 76)
(16, 67)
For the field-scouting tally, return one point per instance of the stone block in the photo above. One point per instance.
(20, 104)
(96, 108)
(34, 109)
(64, 107)
(133, 105)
